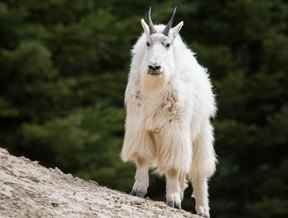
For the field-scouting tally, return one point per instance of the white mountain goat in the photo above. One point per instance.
(169, 103)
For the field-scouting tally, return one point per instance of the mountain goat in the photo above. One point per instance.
(169, 104)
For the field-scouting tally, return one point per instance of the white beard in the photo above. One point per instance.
(152, 84)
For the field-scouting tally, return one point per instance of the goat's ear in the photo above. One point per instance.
(177, 29)
(145, 27)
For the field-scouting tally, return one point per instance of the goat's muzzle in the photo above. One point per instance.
(154, 69)
(154, 73)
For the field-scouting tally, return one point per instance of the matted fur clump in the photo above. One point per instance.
(169, 103)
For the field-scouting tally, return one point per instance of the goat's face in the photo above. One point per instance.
(158, 54)
(158, 58)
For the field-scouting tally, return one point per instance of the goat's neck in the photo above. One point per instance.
(153, 85)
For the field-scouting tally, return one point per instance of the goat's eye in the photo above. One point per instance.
(148, 44)
(167, 45)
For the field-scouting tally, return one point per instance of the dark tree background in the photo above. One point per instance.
(63, 71)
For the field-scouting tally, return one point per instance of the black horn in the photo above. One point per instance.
(170, 23)
(150, 23)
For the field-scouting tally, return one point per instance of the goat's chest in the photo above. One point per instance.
(160, 111)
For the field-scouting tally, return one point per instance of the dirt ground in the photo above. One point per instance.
(30, 190)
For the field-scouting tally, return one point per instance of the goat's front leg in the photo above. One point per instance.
(176, 159)
(173, 189)
(141, 178)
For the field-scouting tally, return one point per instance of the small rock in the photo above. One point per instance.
(54, 204)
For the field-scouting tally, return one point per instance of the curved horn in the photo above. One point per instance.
(150, 23)
(170, 23)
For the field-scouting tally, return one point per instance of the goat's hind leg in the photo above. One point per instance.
(203, 167)
(200, 191)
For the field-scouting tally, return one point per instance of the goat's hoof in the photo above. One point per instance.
(138, 193)
(203, 215)
(201, 211)
(174, 204)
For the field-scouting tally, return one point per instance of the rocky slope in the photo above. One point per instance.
(30, 190)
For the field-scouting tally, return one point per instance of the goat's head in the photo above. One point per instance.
(158, 55)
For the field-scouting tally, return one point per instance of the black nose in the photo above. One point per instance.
(154, 67)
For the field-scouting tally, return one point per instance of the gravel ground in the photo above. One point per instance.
(30, 190)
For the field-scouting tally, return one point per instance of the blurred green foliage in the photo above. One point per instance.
(63, 71)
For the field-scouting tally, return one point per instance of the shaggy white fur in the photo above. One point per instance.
(168, 117)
